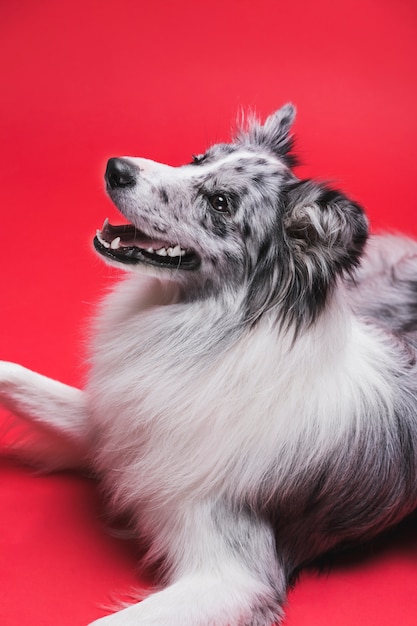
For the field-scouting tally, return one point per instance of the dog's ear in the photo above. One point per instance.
(322, 237)
(274, 134)
(325, 231)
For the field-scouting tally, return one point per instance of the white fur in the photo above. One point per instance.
(204, 428)
(198, 419)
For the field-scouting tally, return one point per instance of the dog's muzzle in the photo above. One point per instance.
(127, 243)
(120, 173)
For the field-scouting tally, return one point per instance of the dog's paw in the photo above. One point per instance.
(158, 610)
(135, 615)
(140, 615)
(202, 599)
(132, 616)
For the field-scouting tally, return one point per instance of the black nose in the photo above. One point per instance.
(120, 173)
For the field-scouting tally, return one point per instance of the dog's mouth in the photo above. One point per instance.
(127, 244)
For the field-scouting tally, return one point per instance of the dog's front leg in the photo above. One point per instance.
(53, 408)
(227, 574)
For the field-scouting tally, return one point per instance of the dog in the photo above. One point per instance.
(252, 399)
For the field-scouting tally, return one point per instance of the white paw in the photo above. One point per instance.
(132, 616)
(197, 601)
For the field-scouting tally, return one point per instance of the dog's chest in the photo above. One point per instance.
(177, 405)
(159, 395)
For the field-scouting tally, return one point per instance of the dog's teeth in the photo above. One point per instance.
(170, 252)
(101, 240)
(115, 243)
(105, 223)
(175, 251)
(161, 252)
(151, 250)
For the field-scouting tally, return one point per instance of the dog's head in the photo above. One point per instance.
(236, 220)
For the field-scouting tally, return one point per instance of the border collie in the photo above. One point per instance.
(252, 399)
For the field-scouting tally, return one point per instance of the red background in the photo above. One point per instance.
(82, 80)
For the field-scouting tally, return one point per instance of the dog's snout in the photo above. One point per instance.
(120, 173)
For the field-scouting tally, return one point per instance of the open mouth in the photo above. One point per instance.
(126, 244)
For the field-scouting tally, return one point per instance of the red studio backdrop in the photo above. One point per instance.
(83, 80)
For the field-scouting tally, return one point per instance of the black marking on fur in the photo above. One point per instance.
(163, 195)
(258, 179)
(246, 230)
(198, 159)
(160, 229)
(260, 162)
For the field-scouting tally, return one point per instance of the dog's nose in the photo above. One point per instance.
(120, 173)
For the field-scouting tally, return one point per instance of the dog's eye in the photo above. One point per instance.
(219, 202)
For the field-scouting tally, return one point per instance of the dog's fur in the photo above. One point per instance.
(252, 401)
